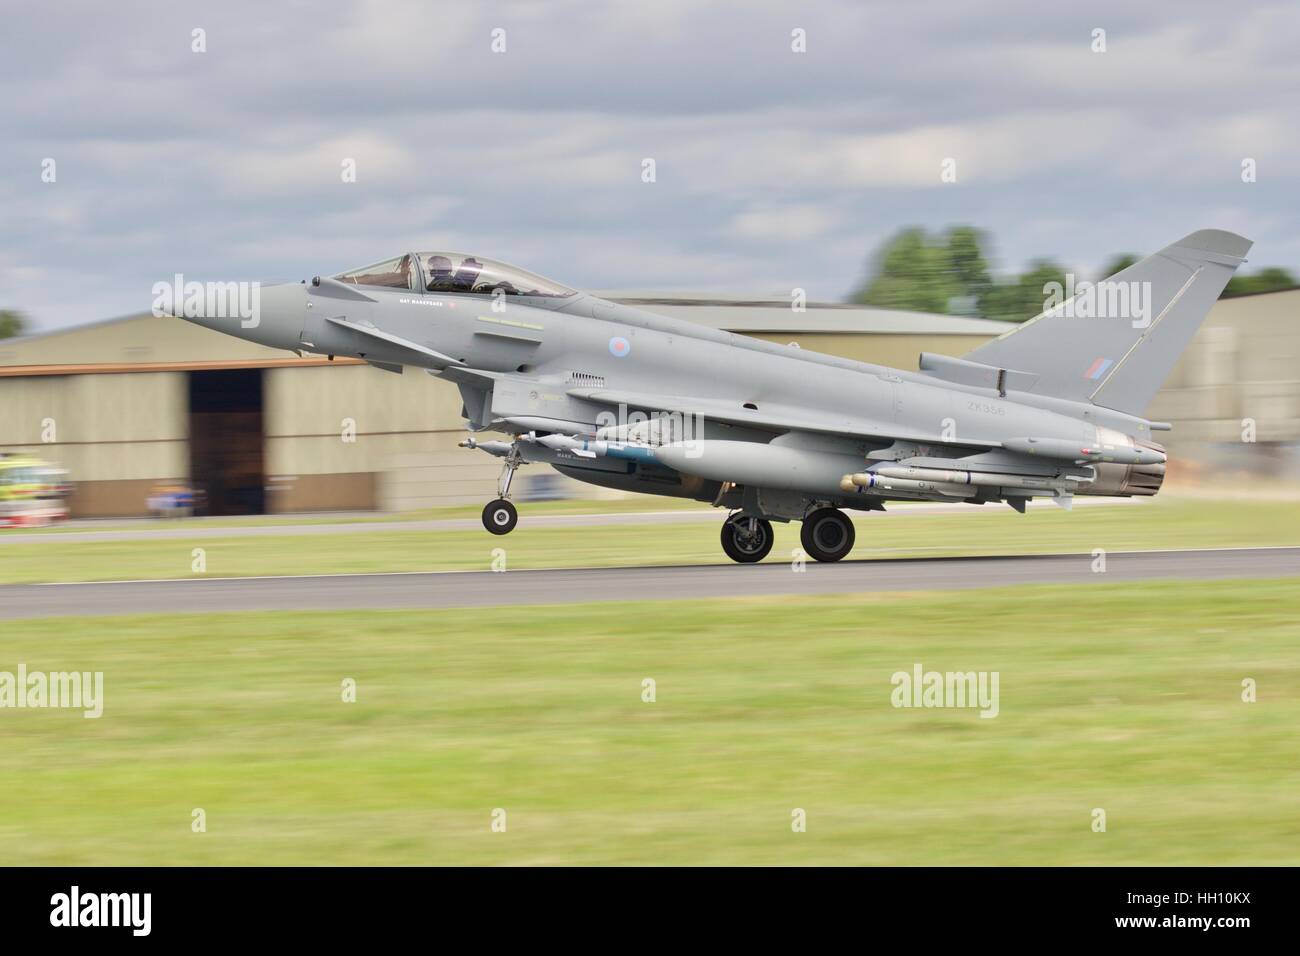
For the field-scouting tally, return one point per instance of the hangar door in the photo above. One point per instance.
(227, 440)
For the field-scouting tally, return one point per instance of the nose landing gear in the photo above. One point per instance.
(500, 516)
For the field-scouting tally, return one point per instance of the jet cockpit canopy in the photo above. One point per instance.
(457, 272)
(454, 272)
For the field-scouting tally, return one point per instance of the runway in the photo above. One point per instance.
(448, 589)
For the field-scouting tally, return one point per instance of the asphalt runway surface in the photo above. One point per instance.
(447, 589)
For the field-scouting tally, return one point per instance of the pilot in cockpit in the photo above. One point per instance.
(437, 274)
(466, 275)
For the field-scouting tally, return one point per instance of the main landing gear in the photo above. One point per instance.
(746, 539)
(500, 516)
(827, 535)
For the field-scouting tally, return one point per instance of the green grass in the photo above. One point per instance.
(1124, 697)
(992, 530)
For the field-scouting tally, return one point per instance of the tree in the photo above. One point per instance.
(1022, 297)
(1118, 264)
(11, 323)
(948, 273)
(1265, 280)
(966, 260)
(917, 272)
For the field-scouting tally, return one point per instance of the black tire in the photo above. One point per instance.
(827, 534)
(743, 547)
(500, 516)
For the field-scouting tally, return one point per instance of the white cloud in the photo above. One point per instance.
(798, 222)
(311, 168)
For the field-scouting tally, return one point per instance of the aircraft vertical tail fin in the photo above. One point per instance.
(1115, 342)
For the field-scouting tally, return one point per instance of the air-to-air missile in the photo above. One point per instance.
(950, 481)
(593, 447)
(498, 448)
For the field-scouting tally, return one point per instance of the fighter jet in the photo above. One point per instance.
(623, 398)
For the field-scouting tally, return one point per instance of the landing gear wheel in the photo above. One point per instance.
(827, 534)
(500, 516)
(746, 539)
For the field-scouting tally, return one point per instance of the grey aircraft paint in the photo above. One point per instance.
(624, 398)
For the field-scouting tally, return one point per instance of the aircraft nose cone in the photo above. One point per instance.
(267, 313)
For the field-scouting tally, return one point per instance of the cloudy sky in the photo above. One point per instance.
(774, 169)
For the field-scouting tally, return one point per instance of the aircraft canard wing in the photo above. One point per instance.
(464, 375)
(394, 341)
(773, 418)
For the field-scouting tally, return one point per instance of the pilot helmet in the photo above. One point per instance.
(437, 267)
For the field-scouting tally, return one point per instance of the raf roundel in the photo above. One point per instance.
(619, 346)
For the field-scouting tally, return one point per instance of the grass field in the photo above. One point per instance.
(1121, 697)
(1146, 525)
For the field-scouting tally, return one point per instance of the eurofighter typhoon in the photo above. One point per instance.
(623, 398)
